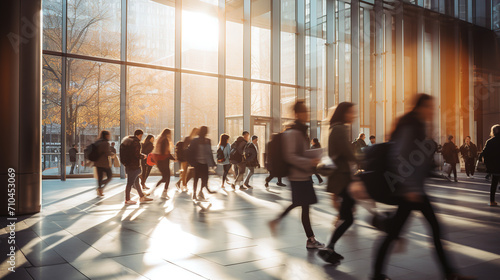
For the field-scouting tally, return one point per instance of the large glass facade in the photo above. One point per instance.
(240, 65)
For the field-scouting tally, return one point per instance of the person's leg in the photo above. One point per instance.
(236, 170)
(137, 184)
(454, 169)
(183, 175)
(493, 188)
(144, 171)
(130, 182)
(72, 167)
(279, 181)
(287, 210)
(195, 183)
(345, 214)
(428, 212)
(306, 222)
(100, 172)
(226, 167)
(467, 166)
(166, 177)
(395, 227)
(109, 175)
(251, 170)
(472, 166)
(204, 176)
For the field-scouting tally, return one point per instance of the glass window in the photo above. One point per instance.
(151, 32)
(51, 115)
(93, 102)
(150, 100)
(288, 30)
(288, 98)
(234, 98)
(200, 35)
(261, 40)
(199, 104)
(94, 28)
(234, 38)
(261, 100)
(52, 25)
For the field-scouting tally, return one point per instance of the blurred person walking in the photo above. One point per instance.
(162, 156)
(491, 154)
(201, 158)
(469, 153)
(251, 154)
(338, 183)
(410, 141)
(186, 172)
(450, 155)
(102, 162)
(72, 157)
(316, 145)
(372, 140)
(295, 143)
(273, 150)
(146, 148)
(130, 156)
(237, 159)
(223, 154)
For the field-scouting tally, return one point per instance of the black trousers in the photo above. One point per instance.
(146, 169)
(164, 167)
(453, 169)
(226, 167)
(346, 216)
(396, 225)
(470, 165)
(200, 172)
(272, 176)
(306, 222)
(100, 178)
(493, 188)
(73, 163)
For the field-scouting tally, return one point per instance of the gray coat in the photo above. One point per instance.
(295, 145)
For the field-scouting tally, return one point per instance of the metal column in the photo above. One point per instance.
(330, 53)
(123, 79)
(389, 115)
(355, 82)
(379, 71)
(275, 65)
(178, 76)
(247, 60)
(341, 45)
(222, 68)
(420, 54)
(313, 66)
(400, 58)
(366, 101)
(300, 49)
(64, 87)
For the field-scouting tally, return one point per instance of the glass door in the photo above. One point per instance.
(262, 128)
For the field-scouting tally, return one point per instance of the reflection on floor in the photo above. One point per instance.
(81, 236)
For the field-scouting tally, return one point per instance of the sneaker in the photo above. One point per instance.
(222, 186)
(243, 187)
(314, 244)
(492, 203)
(248, 186)
(468, 177)
(99, 192)
(330, 256)
(130, 202)
(178, 185)
(164, 194)
(145, 199)
(266, 185)
(281, 185)
(472, 176)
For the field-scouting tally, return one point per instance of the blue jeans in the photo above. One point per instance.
(133, 179)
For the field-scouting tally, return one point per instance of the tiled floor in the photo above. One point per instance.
(81, 236)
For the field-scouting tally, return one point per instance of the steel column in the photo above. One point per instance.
(275, 65)
(247, 67)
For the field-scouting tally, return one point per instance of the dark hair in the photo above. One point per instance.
(300, 106)
(495, 130)
(112, 143)
(315, 141)
(372, 137)
(245, 133)
(138, 132)
(223, 140)
(255, 137)
(203, 132)
(420, 99)
(340, 112)
(73, 145)
(148, 138)
(450, 137)
(103, 134)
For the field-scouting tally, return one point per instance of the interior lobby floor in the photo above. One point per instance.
(81, 236)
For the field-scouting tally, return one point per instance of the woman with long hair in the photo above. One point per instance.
(162, 157)
(225, 147)
(339, 149)
(185, 173)
(102, 163)
(202, 158)
(146, 148)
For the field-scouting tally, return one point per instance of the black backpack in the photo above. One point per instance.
(235, 156)
(376, 175)
(91, 153)
(275, 160)
(127, 152)
(179, 151)
(220, 154)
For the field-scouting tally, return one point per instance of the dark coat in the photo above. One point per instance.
(450, 153)
(147, 148)
(194, 150)
(491, 154)
(339, 149)
(72, 154)
(104, 153)
(465, 150)
(135, 155)
(251, 156)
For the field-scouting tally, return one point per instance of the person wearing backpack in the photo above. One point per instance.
(273, 151)
(200, 156)
(295, 143)
(130, 156)
(343, 157)
(146, 148)
(251, 153)
(186, 173)
(237, 159)
(409, 138)
(223, 154)
(102, 162)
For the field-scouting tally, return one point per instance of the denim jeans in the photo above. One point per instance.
(133, 179)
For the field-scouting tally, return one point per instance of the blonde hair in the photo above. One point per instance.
(163, 142)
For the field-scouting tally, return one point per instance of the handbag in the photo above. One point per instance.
(150, 160)
(446, 168)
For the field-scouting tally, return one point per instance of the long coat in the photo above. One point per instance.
(450, 153)
(491, 154)
(339, 149)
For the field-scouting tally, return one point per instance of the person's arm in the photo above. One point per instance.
(340, 146)
(291, 141)
(137, 153)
